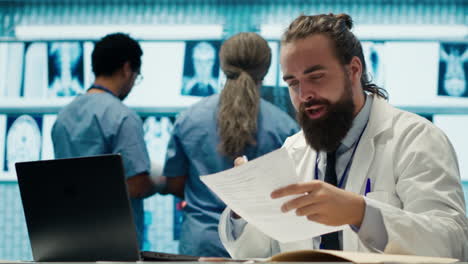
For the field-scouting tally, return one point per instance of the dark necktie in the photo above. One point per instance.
(331, 240)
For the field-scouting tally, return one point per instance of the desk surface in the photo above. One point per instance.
(152, 262)
(157, 262)
(173, 262)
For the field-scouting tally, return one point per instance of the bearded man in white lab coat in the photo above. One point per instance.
(390, 176)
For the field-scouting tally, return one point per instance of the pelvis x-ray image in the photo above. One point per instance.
(453, 70)
(201, 68)
(65, 69)
(23, 141)
(373, 55)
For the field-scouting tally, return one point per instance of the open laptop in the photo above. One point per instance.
(78, 209)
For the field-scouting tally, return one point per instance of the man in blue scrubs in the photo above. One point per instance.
(99, 123)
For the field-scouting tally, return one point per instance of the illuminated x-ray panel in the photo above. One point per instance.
(47, 151)
(201, 68)
(413, 70)
(3, 124)
(455, 127)
(65, 69)
(159, 210)
(281, 82)
(88, 69)
(453, 70)
(271, 77)
(157, 135)
(23, 141)
(35, 71)
(24, 138)
(162, 70)
(11, 69)
(374, 55)
(159, 227)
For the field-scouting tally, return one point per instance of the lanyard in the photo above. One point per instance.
(345, 173)
(100, 87)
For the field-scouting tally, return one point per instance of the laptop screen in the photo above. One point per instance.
(77, 209)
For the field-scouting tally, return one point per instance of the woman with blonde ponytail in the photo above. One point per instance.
(245, 59)
(212, 133)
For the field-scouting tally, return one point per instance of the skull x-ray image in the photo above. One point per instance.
(65, 69)
(373, 55)
(201, 68)
(23, 141)
(453, 70)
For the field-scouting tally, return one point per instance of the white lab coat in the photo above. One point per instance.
(415, 184)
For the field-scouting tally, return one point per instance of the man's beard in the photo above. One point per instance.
(326, 133)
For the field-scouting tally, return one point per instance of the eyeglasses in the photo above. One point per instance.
(138, 79)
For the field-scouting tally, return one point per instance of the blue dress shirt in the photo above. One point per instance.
(193, 152)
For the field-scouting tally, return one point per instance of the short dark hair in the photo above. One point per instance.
(338, 29)
(112, 51)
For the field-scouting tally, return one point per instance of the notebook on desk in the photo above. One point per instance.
(78, 209)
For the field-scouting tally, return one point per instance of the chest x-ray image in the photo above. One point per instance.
(373, 55)
(23, 141)
(35, 70)
(11, 69)
(201, 68)
(453, 70)
(65, 69)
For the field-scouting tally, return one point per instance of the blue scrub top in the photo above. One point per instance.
(193, 151)
(99, 123)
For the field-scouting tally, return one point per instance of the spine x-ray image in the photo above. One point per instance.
(157, 134)
(65, 69)
(201, 68)
(453, 70)
(23, 141)
(162, 219)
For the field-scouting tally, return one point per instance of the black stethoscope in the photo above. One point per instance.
(348, 166)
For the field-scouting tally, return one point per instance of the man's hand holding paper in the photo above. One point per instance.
(247, 190)
(323, 203)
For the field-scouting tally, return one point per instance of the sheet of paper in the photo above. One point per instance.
(246, 190)
(368, 258)
(355, 257)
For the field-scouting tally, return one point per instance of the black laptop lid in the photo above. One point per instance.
(77, 209)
